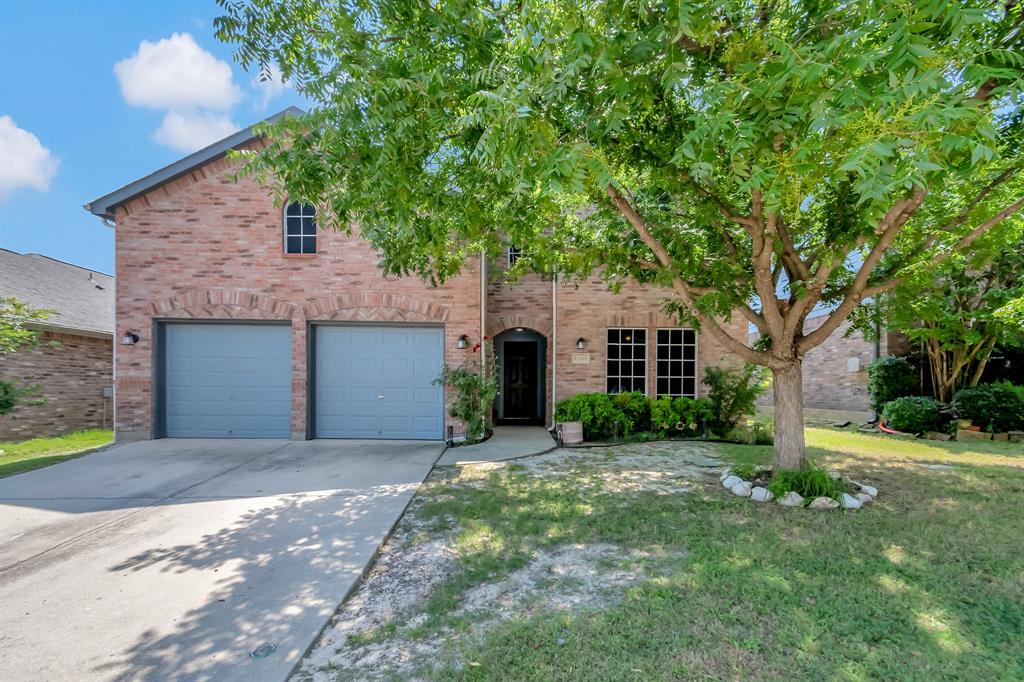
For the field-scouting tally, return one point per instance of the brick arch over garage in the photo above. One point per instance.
(503, 323)
(222, 304)
(375, 307)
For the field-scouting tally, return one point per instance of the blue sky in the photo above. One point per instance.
(72, 129)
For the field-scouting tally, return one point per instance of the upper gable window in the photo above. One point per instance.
(300, 228)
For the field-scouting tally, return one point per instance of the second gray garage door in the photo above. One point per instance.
(376, 382)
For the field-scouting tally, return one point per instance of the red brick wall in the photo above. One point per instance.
(205, 247)
(71, 372)
(587, 309)
(828, 382)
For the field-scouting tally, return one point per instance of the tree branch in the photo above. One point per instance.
(890, 226)
(682, 289)
(964, 242)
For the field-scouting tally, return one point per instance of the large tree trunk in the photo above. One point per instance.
(789, 415)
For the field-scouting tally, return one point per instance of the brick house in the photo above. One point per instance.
(250, 322)
(835, 376)
(73, 363)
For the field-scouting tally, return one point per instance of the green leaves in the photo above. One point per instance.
(449, 128)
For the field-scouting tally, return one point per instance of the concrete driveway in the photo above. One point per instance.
(173, 559)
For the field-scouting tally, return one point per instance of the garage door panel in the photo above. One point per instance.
(376, 382)
(227, 380)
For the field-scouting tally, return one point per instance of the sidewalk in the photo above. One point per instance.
(507, 442)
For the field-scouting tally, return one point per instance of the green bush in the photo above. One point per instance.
(694, 414)
(601, 419)
(664, 417)
(680, 416)
(637, 408)
(732, 395)
(474, 391)
(997, 407)
(911, 414)
(890, 377)
(809, 482)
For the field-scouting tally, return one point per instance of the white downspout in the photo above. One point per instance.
(485, 358)
(554, 343)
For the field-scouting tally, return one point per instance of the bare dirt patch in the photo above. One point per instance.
(383, 630)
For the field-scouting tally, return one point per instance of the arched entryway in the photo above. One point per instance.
(522, 369)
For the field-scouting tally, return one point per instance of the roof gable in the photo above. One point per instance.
(105, 205)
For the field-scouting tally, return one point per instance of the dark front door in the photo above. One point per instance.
(520, 380)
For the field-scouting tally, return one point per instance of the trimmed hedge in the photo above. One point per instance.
(600, 417)
(680, 416)
(911, 414)
(997, 407)
(890, 377)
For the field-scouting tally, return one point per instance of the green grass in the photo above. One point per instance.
(926, 583)
(26, 455)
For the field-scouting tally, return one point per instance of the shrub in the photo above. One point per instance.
(664, 417)
(732, 395)
(890, 377)
(600, 417)
(474, 392)
(809, 482)
(683, 416)
(694, 414)
(637, 408)
(994, 407)
(911, 414)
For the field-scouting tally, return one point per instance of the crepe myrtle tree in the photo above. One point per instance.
(709, 147)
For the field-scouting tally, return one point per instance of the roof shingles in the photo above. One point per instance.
(82, 299)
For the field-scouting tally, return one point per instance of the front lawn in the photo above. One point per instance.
(40, 452)
(633, 563)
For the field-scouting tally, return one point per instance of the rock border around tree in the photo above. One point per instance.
(864, 495)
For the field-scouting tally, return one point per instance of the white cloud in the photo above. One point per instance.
(24, 161)
(268, 89)
(177, 75)
(192, 131)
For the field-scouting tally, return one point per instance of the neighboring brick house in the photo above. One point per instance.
(835, 373)
(73, 362)
(252, 323)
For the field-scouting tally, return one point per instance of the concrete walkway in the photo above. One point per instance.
(173, 559)
(507, 442)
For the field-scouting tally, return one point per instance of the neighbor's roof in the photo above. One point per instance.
(82, 299)
(105, 205)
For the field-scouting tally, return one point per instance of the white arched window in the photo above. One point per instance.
(299, 228)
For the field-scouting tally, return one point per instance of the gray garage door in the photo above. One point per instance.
(228, 381)
(375, 382)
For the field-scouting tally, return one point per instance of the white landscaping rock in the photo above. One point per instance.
(791, 499)
(869, 489)
(864, 498)
(760, 494)
(835, 475)
(730, 481)
(850, 502)
(824, 503)
(725, 474)
(742, 489)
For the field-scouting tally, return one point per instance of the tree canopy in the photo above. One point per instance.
(710, 146)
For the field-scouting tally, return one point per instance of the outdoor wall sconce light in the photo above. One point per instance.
(130, 339)
(581, 343)
(463, 342)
